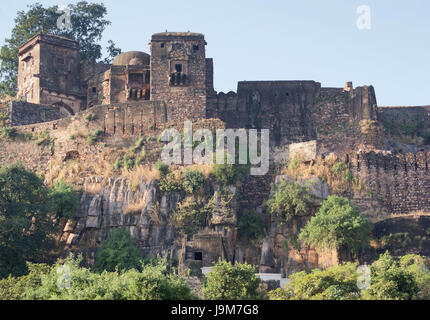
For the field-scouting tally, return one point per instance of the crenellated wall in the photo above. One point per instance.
(401, 182)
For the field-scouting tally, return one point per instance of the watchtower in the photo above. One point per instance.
(179, 73)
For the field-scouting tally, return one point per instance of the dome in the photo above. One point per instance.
(131, 58)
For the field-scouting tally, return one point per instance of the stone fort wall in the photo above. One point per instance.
(401, 182)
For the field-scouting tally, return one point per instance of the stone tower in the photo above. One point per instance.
(49, 72)
(180, 73)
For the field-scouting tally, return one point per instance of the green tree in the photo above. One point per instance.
(417, 266)
(338, 224)
(68, 281)
(64, 200)
(87, 26)
(118, 252)
(25, 222)
(251, 225)
(334, 283)
(391, 281)
(289, 200)
(231, 282)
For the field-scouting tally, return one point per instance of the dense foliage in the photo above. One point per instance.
(118, 252)
(250, 225)
(392, 281)
(289, 200)
(68, 281)
(192, 180)
(231, 282)
(87, 26)
(228, 174)
(406, 278)
(333, 283)
(25, 220)
(64, 200)
(338, 224)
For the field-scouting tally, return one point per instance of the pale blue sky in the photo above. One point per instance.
(286, 40)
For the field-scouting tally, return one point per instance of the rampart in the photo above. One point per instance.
(400, 181)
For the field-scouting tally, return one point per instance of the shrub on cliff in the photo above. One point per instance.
(289, 200)
(338, 224)
(118, 252)
(64, 200)
(191, 215)
(251, 225)
(25, 222)
(192, 180)
(231, 282)
(228, 174)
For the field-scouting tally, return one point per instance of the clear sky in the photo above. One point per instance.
(286, 40)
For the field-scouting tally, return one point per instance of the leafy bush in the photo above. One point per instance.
(171, 182)
(337, 224)
(192, 180)
(192, 215)
(91, 117)
(68, 281)
(118, 252)
(64, 200)
(162, 168)
(231, 282)
(7, 133)
(289, 200)
(391, 281)
(250, 225)
(228, 174)
(92, 138)
(334, 283)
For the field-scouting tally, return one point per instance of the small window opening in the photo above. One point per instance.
(198, 256)
(195, 48)
(178, 67)
(162, 45)
(94, 89)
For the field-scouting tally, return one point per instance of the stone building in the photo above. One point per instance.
(49, 72)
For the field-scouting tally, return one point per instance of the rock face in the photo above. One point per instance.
(144, 212)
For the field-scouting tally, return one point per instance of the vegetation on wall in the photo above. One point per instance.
(338, 224)
(290, 200)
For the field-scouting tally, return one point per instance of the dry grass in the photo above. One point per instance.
(93, 188)
(154, 214)
(148, 172)
(134, 207)
(330, 169)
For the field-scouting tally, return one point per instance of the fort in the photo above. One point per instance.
(139, 94)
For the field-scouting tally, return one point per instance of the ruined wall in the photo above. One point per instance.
(399, 182)
(294, 111)
(24, 113)
(178, 74)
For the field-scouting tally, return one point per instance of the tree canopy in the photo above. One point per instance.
(338, 224)
(25, 221)
(231, 282)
